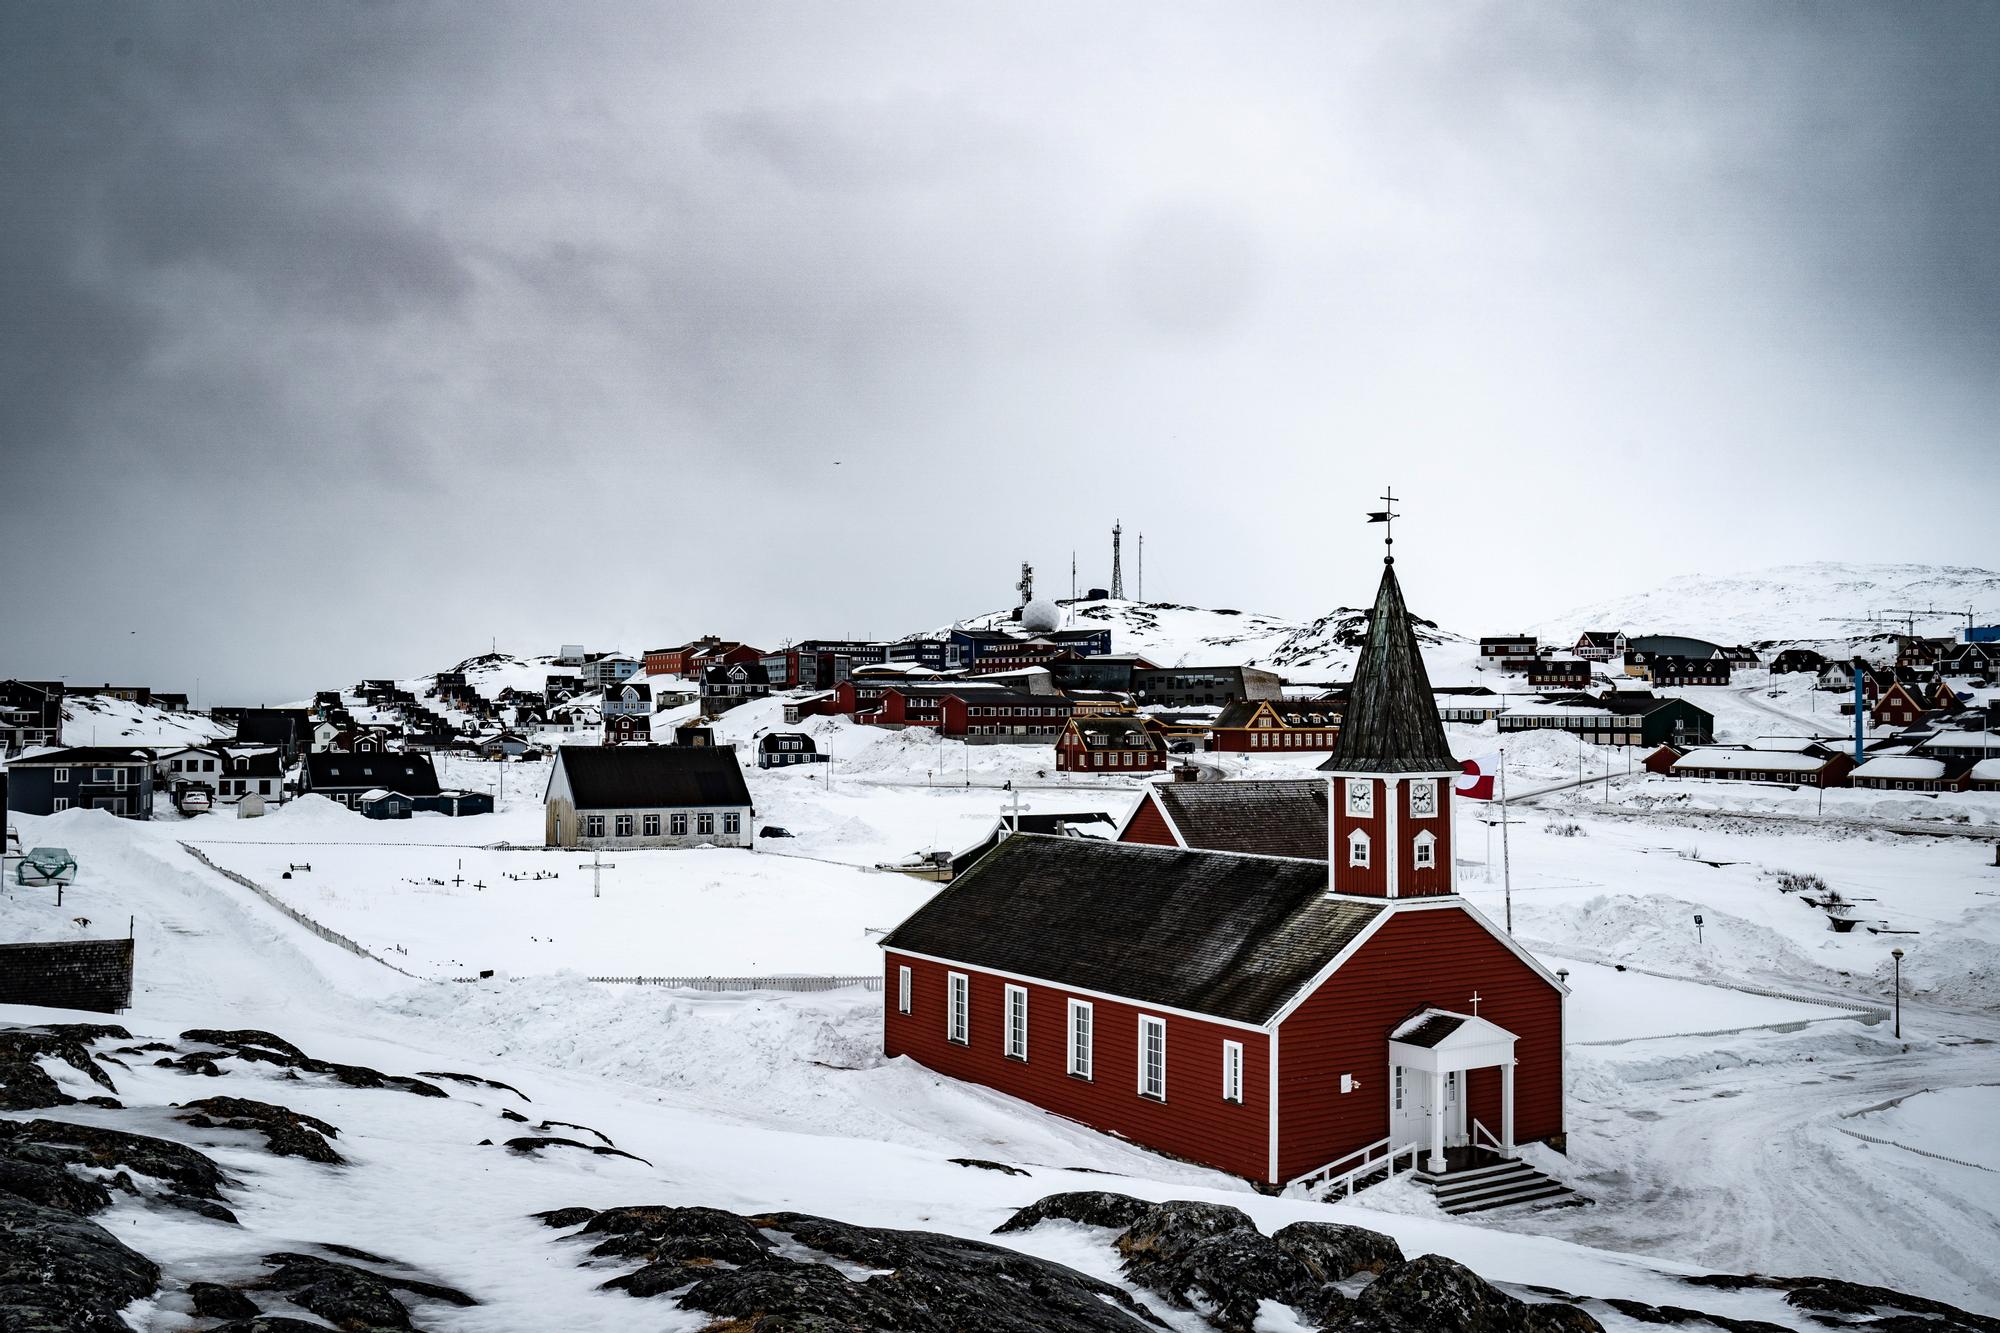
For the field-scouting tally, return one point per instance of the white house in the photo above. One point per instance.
(647, 796)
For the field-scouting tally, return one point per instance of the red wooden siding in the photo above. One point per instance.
(1193, 1122)
(1370, 880)
(1412, 881)
(1148, 825)
(1418, 958)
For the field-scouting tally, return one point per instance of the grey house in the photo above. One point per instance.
(90, 777)
(647, 796)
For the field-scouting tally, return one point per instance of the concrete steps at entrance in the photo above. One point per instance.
(1499, 1185)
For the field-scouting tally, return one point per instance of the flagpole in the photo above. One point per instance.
(1506, 862)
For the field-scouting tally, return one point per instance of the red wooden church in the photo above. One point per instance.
(1282, 1018)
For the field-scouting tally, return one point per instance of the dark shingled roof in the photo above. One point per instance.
(1281, 817)
(1391, 723)
(1229, 936)
(1430, 1029)
(410, 774)
(643, 777)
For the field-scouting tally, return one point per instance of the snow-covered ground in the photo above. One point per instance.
(93, 719)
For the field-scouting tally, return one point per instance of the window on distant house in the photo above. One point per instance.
(61, 804)
(732, 823)
(624, 826)
(903, 990)
(1017, 1022)
(1079, 1038)
(958, 1008)
(652, 826)
(1232, 1071)
(1357, 849)
(62, 775)
(1152, 1057)
(593, 826)
(704, 825)
(678, 825)
(1426, 850)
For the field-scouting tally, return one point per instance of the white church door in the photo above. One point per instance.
(1409, 1107)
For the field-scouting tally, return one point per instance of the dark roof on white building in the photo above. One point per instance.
(410, 774)
(1230, 936)
(648, 777)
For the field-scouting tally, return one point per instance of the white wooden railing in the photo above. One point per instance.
(1332, 1179)
(1482, 1137)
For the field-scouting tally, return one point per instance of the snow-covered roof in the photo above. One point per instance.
(1538, 708)
(1769, 760)
(1900, 766)
(1986, 770)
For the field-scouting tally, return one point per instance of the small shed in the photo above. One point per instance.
(380, 804)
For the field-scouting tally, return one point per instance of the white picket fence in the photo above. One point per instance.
(326, 933)
(728, 984)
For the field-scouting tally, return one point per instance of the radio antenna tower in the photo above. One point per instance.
(1117, 572)
(1142, 566)
(1026, 587)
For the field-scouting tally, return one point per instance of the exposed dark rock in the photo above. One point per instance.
(264, 1048)
(212, 1300)
(676, 1235)
(508, 1113)
(296, 1267)
(1210, 1257)
(536, 1144)
(1562, 1317)
(188, 1171)
(475, 1079)
(1334, 1253)
(60, 1273)
(287, 1133)
(562, 1219)
(41, 1176)
(192, 1062)
(25, 1085)
(108, 1103)
(599, 1134)
(777, 1296)
(268, 1323)
(1092, 1208)
(205, 1207)
(1433, 1294)
(982, 1164)
(234, 1039)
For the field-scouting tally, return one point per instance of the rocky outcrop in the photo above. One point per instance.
(731, 1267)
(1210, 1257)
(1333, 1252)
(188, 1172)
(1433, 1294)
(537, 1143)
(287, 1133)
(212, 1300)
(1836, 1301)
(1092, 1208)
(264, 1048)
(475, 1080)
(26, 1086)
(349, 1296)
(61, 1273)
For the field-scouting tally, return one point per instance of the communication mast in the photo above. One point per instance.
(1117, 572)
(1142, 566)
(1026, 587)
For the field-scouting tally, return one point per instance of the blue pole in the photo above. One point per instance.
(1860, 713)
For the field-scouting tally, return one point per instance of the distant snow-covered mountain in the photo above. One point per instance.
(1175, 635)
(1826, 601)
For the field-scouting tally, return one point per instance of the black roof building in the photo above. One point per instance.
(1281, 817)
(1391, 722)
(287, 728)
(643, 777)
(1156, 925)
(410, 774)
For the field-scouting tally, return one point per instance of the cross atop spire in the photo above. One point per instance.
(1386, 516)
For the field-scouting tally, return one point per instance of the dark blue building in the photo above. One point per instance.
(90, 777)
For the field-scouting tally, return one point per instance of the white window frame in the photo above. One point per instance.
(704, 825)
(1016, 1039)
(958, 1009)
(593, 826)
(1426, 850)
(1361, 798)
(1232, 1072)
(62, 775)
(60, 804)
(1358, 850)
(1148, 1087)
(903, 989)
(1396, 1089)
(1429, 786)
(1082, 1024)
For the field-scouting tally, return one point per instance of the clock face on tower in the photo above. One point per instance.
(1360, 798)
(1423, 799)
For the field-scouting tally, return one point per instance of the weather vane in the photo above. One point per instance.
(1387, 516)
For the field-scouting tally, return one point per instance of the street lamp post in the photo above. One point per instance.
(1897, 955)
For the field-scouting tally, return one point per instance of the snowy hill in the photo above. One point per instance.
(1826, 601)
(90, 719)
(1175, 635)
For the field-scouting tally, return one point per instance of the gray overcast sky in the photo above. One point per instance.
(335, 339)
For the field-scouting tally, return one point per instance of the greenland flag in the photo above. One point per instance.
(1476, 783)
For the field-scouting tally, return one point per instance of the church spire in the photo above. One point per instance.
(1391, 722)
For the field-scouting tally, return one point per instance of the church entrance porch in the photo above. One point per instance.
(1433, 1056)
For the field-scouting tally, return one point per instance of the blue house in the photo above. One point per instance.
(89, 777)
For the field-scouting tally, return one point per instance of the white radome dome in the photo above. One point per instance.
(1041, 616)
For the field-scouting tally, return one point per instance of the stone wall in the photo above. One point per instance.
(71, 974)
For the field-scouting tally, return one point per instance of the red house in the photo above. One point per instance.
(1284, 1019)
(1261, 725)
(1111, 743)
(1898, 706)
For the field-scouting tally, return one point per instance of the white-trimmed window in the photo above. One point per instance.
(1361, 798)
(61, 804)
(1017, 1022)
(958, 1008)
(1232, 1071)
(903, 989)
(62, 775)
(1396, 1089)
(1080, 1024)
(593, 826)
(1427, 850)
(1357, 849)
(1152, 1057)
(1423, 798)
